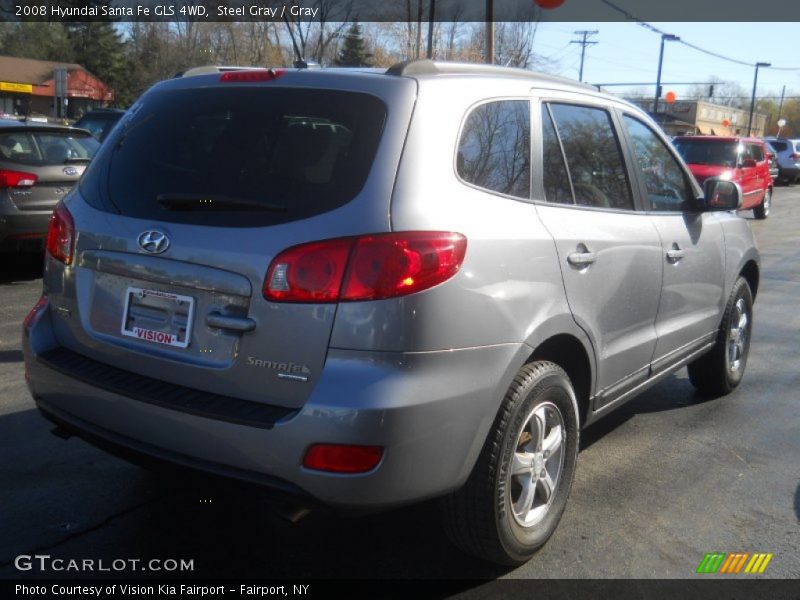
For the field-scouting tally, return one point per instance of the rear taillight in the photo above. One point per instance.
(16, 179)
(368, 267)
(251, 76)
(61, 235)
(794, 156)
(340, 458)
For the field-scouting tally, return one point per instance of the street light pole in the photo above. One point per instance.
(665, 37)
(753, 97)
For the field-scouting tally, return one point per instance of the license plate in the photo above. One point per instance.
(158, 317)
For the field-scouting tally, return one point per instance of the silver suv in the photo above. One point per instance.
(787, 153)
(370, 288)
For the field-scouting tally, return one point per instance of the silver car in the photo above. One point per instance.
(39, 164)
(369, 288)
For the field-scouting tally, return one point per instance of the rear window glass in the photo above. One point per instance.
(494, 149)
(241, 156)
(36, 148)
(707, 152)
(779, 146)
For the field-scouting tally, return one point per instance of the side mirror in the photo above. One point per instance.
(721, 195)
(748, 163)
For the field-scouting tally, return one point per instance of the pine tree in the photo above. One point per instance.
(353, 52)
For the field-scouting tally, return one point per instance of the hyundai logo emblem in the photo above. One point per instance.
(153, 242)
(70, 171)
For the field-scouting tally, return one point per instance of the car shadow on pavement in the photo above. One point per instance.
(674, 393)
(69, 500)
(20, 267)
(10, 356)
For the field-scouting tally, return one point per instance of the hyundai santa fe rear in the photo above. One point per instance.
(370, 288)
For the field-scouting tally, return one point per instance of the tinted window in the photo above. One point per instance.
(36, 148)
(663, 176)
(709, 152)
(555, 177)
(756, 153)
(779, 146)
(494, 149)
(239, 156)
(593, 156)
(99, 125)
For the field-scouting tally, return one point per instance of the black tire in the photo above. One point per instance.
(479, 518)
(713, 374)
(762, 210)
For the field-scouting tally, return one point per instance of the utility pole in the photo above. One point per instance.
(431, 21)
(489, 51)
(583, 42)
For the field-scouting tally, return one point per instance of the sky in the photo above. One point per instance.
(628, 52)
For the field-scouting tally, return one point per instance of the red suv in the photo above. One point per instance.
(740, 159)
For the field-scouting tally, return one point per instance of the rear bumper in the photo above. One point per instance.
(789, 172)
(430, 411)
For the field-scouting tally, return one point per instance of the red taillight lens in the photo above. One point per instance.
(16, 179)
(340, 458)
(365, 268)
(61, 235)
(308, 273)
(795, 156)
(37, 308)
(395, 264)
(251, 76)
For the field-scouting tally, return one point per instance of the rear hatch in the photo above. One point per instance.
(199, 187)
(39, 165)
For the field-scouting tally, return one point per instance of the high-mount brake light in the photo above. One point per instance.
(368, 267)
(251, 76)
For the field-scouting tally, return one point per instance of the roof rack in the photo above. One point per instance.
(412, 68)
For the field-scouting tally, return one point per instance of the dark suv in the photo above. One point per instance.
(100, 121)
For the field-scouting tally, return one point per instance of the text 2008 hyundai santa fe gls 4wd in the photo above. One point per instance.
(373, 288)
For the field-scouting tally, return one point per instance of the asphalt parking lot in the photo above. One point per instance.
(662, 481)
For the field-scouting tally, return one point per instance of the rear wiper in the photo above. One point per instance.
(207, 202)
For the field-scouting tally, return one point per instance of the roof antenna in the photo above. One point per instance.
(300, 63)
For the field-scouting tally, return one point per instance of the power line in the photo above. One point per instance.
(585, 33)
(646, 25)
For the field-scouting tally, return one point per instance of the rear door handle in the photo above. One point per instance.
(675, 253)
(220, 321)
(581, 259)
